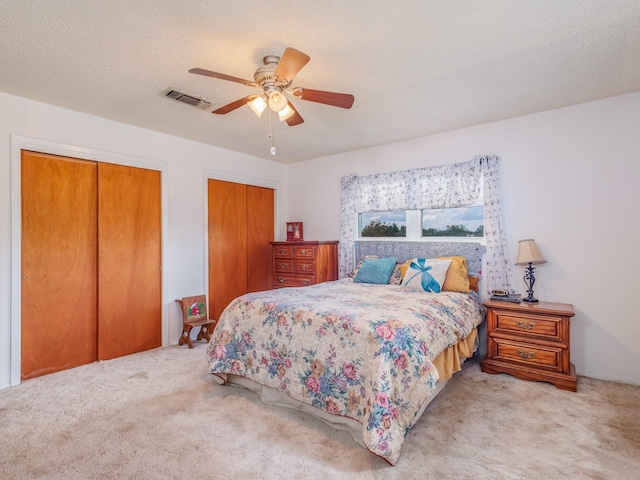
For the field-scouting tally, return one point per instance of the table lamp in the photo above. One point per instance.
(528, 254)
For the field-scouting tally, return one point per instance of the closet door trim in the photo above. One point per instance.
(19, 143)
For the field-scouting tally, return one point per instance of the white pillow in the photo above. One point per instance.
(426, 274)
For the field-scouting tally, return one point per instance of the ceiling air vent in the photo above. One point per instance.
(188, 99)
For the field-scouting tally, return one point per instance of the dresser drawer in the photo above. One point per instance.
(541, 356)
(529, 325)
(293, 281)
(304, 252)
(283, 265)
(283, 251)
(303, 267)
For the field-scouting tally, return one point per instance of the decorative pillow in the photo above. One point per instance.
(457, 279)
(396, 275)
(355, 271)
(375, 270)
(426, 275)
(473, 282)
(403, 268)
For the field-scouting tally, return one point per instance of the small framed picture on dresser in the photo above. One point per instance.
(294, 232)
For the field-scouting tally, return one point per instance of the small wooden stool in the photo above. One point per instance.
(194, 314)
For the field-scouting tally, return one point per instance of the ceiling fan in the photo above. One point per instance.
(275, 78)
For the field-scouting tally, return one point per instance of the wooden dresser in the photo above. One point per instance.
(530, 341)
(298, 264)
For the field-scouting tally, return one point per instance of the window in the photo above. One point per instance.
(383, 224)
(441, 223)
(453, 222)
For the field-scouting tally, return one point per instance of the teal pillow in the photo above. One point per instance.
(375, 270)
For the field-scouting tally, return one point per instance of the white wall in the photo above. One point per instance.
(570, 180)
(569, 176)
(185, 166)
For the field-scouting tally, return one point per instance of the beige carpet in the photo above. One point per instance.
(158, 414)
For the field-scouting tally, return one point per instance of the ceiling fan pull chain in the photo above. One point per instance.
(272, 133)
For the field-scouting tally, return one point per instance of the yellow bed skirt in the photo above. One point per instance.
(448, 362)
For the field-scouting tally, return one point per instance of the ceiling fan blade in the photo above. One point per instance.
(230, 107)
(290, 63)
(342, 100)
(294, 119)
(222, 76)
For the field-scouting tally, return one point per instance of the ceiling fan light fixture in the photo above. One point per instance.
(278, 101)
(274, 78)
(285, 113)
(258, 105)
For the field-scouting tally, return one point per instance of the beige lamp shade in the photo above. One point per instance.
(528, 253)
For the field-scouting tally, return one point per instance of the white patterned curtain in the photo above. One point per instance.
(443, 186)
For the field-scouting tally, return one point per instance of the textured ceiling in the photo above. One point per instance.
(415, 67)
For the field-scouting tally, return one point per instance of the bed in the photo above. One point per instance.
(364, 356)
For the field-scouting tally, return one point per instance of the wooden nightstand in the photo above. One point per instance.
(530, 341)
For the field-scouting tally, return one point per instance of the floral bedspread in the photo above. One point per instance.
(358, 350)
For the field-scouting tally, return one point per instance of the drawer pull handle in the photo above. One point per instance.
(283, 266)
(526, 325)
(526, 355)
(280, 279)
(306, 281)
(304, 251)
(304, 266)
(282, 252)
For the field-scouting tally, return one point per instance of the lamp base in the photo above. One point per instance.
(529, 279)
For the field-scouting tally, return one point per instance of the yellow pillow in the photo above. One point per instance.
(457, 279)
(473, 282)
(403, 268)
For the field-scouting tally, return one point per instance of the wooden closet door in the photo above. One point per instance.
(59, 263)
(227, 244)
(241, 219)
(260, 220)
(129, 260)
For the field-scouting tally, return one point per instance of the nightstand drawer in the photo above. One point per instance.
(540, 325)
(542, 356)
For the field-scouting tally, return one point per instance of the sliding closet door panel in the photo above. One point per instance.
(260, 219)
(227, 244)
(129, 260)
(59, 276)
